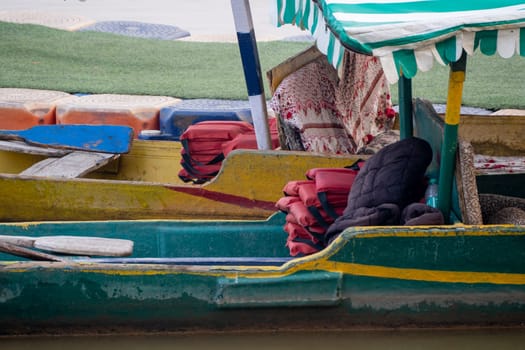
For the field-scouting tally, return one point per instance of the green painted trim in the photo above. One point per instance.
(450, 138)
(305, 288)
(446, 170)
(405, 107)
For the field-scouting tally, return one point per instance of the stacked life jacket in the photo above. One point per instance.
(206, 144)
(312, 205)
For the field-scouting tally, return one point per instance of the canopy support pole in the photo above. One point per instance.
(252, 71)
(406, 127)
(450, 138)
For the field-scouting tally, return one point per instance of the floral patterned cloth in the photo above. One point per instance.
(305, 101)
(334, 115)
(363, 98)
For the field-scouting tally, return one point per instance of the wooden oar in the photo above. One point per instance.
(27, 253)
(74, 245)
(97, 138)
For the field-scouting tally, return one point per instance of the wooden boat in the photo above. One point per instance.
(143, 184)
(222, 275)
(238, 275)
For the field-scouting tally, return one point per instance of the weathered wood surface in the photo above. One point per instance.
(292, 64)
(150, 161)
(22, 147)
(236, 193)
(73, 245)
(494, 135)
(72, 165)
(78, 245)
(23, 241)
(23, 252)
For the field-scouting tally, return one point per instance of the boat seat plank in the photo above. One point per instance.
(22, 147)
(72, 165)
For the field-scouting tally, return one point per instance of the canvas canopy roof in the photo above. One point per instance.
(409, 35)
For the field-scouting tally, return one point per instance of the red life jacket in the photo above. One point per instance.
(206, 144)
(312, 205)
(249, 141)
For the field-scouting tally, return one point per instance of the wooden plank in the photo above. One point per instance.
(22, 147)
(495, 135)
(72, 165)
(292, 64)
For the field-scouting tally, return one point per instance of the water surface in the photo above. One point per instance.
(489, 339)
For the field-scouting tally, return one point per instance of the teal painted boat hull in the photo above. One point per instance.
(209, 276)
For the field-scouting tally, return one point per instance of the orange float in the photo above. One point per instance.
(24, 108)
(137, 111)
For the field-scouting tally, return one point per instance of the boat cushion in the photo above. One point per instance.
(492, 206)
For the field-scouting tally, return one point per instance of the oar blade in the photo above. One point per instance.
(22, 241)
(96, 138)
(23, 252)
(90, 246)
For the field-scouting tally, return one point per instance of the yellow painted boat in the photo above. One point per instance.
(143, 184)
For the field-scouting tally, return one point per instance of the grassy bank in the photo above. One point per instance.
(38, 57)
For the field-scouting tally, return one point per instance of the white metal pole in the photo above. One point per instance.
(252, 70)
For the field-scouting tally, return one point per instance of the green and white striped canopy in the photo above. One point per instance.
(409, 35)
